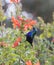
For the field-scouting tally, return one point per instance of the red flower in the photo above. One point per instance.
(20, 18)
(15, 1)
(25, 24)
(25, 27)
(27, 20)
(15, 22)
(29, 24)
(28, 62)
(19, 39)
(16, 43)
(33, 22)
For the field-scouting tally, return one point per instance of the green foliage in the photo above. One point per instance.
(11, 55)
(42, 50)
(2, 17)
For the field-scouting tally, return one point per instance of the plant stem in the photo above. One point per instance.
(1, 30)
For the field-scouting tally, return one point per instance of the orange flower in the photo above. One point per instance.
(16, 43)
(28, 62)
(38, 63)
(15, 1)
(14, 26)
(27, 20)
(15, 22)
(20, 18)
(26, 23)
(29, 26)
(4, 44)
(19, 39)
(25, 27)
(32, 22)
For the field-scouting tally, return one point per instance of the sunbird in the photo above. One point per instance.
(30, 35)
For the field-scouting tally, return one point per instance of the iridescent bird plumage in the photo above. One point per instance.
(30, 35)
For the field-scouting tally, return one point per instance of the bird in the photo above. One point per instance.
(30, 35)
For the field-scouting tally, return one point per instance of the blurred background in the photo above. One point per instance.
(31, 9)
